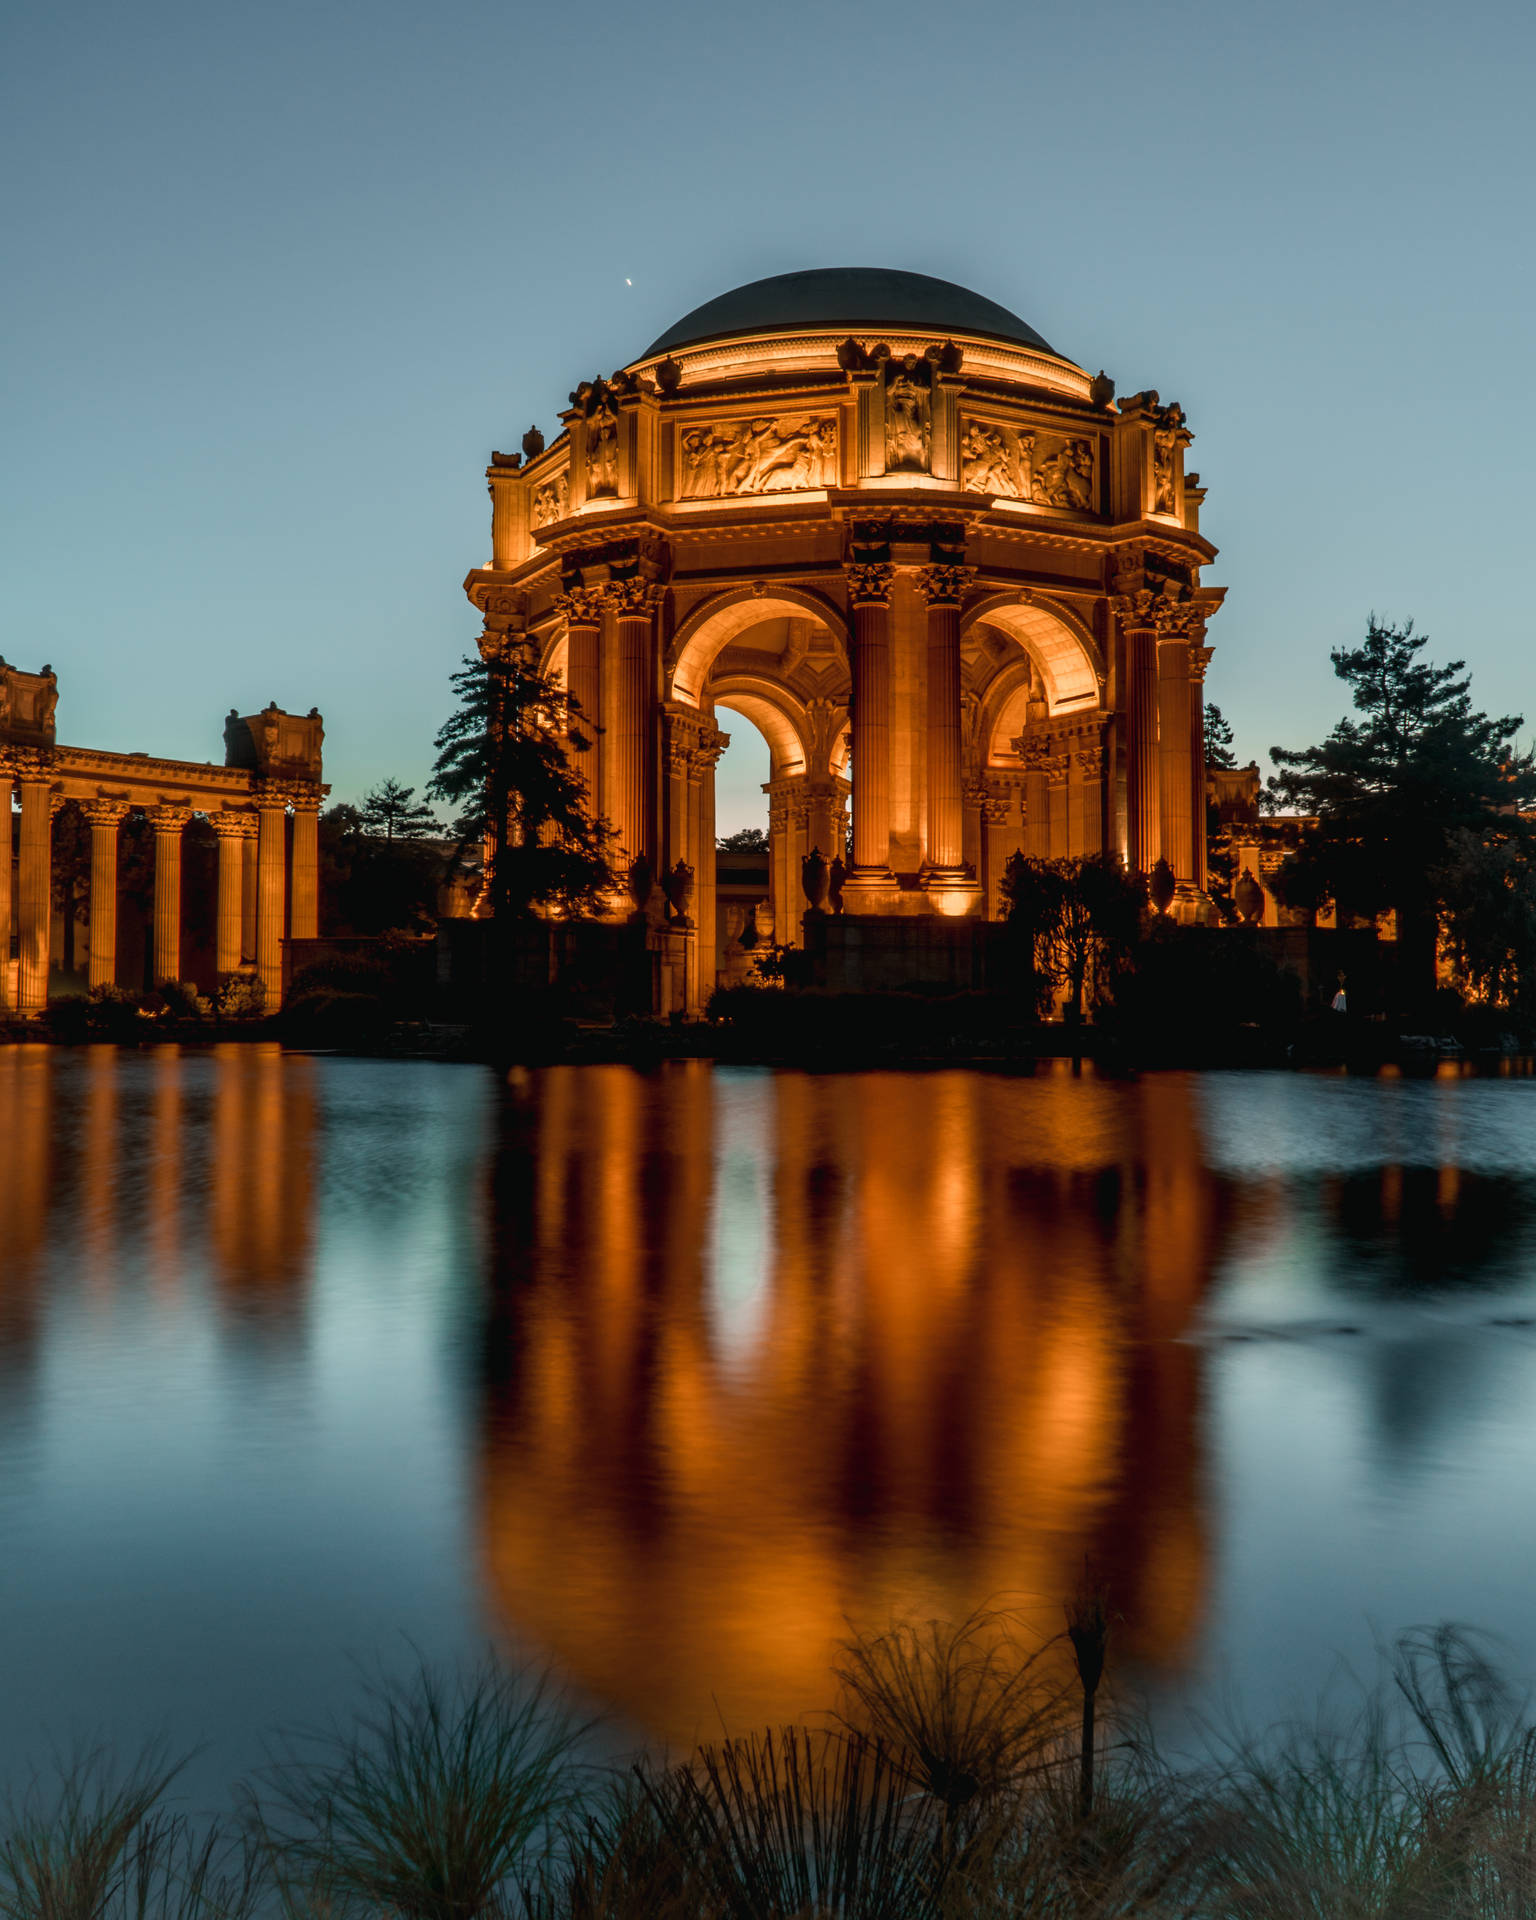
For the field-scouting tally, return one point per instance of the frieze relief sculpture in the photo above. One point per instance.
(550, 500)
(785, 455)
(1021, 464)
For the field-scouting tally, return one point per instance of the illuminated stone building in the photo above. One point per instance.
(951, 580)
(262, 806)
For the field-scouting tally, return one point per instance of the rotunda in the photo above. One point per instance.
(954, 582)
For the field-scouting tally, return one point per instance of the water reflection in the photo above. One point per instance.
(669, 1377)
(771, 1354)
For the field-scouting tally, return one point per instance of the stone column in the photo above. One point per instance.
(304, 911)
(628, 745)
(249, 891)
(944, 587)
(822, 812)
(7, 782)
(869, 594)
(1036, 755)
(1143, 806)
(34, 884)
(271, 891)
(583, 610)
(1056, 770)
(169, 824)
(1199, 660)
(1090, 765)
(1174, 773)
(104, 818)
(235, 831)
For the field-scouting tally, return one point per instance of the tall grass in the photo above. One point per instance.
(433, 1806)
(963, 1776)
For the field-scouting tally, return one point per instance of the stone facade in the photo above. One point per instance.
(956, 586)
(263, 807)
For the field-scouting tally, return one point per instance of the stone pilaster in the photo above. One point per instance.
(235, 831)
(169, 824)
(104, 817)
(869, 594)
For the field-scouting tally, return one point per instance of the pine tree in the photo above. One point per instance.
(395, 812)
(504, 759)
(1394, 788)
(1218, 737)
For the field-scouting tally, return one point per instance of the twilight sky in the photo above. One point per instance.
(279, 277)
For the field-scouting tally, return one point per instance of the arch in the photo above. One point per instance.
(724, 616)
(553, 656)
(1058, 642)
(770, 713)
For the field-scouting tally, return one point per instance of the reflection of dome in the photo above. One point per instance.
(852, 297)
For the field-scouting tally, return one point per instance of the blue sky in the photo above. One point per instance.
(279, 277)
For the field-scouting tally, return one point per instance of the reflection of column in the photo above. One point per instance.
(1199, 660)
(104, 817)
(943, 588)
(35, 885)
(271, 875)
(305, 910)
(583, 610)
(869, 593)
(169, 824)
(1173, 732)
(628, 745)
(234, 831)
(1142, 807)
(7, 782)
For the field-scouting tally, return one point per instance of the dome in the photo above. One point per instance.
(860, 299)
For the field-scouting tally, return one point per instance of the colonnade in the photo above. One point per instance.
(256, 909)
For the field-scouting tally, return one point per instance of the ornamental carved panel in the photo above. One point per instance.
(551, 500)
(1020, 463)
(789, 454)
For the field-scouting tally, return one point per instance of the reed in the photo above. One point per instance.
(443, 1797)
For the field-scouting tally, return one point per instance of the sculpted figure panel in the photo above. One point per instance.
(1049, 470)
(785, 455)
(908, 415)
(550, 500)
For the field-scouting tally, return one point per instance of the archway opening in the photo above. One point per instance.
(743, 853)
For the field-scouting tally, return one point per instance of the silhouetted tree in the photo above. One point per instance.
(1397, 787)
(371, 884)
(1218, 738)
(1488, 917)
(395, 812)
(506, 759)
(1077, 920)
(744, 840)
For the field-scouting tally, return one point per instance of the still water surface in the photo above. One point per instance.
(664, 1379)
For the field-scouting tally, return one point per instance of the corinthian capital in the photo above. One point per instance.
(582, 606)
(632, 599)
(869, 583)
(944, 586)
(168, 819)
(1199, 660)
(104, 813)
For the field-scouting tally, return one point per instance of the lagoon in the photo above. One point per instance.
(668, 1379)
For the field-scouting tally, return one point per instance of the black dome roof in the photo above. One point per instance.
(864, 298)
